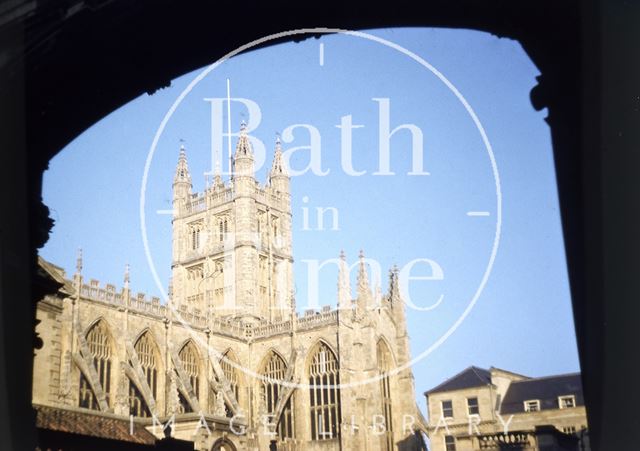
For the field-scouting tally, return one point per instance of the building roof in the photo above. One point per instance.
(469, 378)
(56, 273)
(546, 389)
(98, 424)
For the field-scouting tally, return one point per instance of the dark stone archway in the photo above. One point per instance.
(66, 64)
(222, 444)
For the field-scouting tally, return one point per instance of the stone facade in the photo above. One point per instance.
(222, 360)
(485, 410)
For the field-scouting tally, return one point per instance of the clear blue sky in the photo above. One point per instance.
(522, 321)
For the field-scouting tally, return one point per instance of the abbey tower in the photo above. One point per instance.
(232, 244)
(228, 363)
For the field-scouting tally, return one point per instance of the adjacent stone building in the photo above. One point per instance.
(228, 361)
(479, 409)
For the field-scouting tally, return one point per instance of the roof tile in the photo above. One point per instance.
(468, 378)
(91, 424)
(546, 389)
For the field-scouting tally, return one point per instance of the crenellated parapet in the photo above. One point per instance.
(150, 306)
(109, 294)
(311, 319)
(351, 309)
(268, 196)
(214, 197)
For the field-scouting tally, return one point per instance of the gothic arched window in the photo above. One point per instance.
(189, 359)
(274, 371)
(194, 239)
(146, 350)
(137, 405)
(195, 229)
(86, 398)
(324, 394)
(223, 444)
(231, 374)
(100, 347)
(223, 228)
(385, 364)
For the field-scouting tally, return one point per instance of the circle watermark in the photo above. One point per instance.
(416, 58)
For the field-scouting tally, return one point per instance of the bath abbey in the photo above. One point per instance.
(228, 362)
